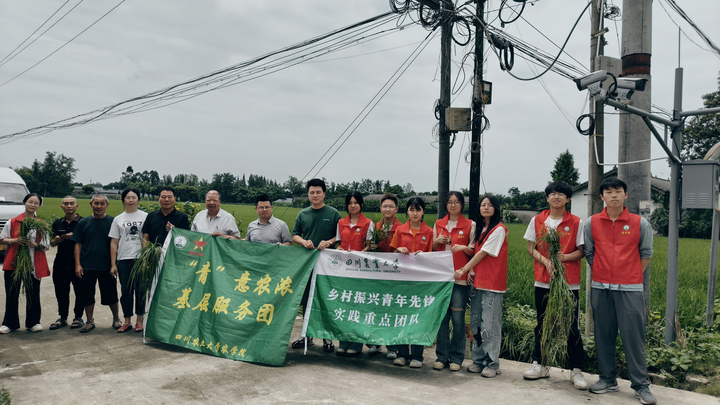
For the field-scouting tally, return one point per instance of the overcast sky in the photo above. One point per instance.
(281, 124)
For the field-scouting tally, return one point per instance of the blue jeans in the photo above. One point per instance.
(452, 348)
(486, 327)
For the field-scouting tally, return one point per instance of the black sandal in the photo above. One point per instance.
(77, 323)
(328, 346)
(60, 323)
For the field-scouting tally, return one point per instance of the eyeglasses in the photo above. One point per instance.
(453, 203)
(388, 207)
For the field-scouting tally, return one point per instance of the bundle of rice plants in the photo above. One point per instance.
(22, 276)
(378, 236)
(560, 306)
(145, 267)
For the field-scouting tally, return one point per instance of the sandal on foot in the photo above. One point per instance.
(58, 324)
(117, 323)
(138, 327)
(328, 346)
(77, 323)
(89, 325)
(124, 328)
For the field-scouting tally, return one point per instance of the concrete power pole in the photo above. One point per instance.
(477, 114)
(444, 134)
(597, 144)
(634, 135)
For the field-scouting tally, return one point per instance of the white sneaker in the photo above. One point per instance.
(391, 355)
(578, 379)
(4, 329)
(36, 328)
(415, 363)
(400, 361)
(537, 371)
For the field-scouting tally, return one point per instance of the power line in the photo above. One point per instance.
(284, 58)
(683, 32)
(374, 101)
(2, 62)
(63, 45)
(697, 29)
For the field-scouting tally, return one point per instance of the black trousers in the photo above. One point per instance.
(32, 304)
(63, 277)
(576, 353)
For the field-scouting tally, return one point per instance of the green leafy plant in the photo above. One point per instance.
(378, 236)
(560, 306)
(22, 276)
(145, 267)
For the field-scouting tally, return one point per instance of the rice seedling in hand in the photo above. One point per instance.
(36, 229)
(560, 306)
(145, 267)
(378, 236)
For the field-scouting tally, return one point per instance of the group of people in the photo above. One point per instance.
(617, 244)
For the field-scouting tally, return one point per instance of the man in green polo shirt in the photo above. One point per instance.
(315, 228)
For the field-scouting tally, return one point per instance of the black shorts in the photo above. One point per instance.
(108, 287)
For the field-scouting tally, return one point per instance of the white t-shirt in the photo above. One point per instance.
(471, 241)
(494, 241)
(127, 227)
(553, 224)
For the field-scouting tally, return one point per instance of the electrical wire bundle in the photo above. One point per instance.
(334, 41)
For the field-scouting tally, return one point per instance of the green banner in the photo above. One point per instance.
(228, 298)
(379, 298)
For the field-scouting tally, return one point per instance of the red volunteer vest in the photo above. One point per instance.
(460, 235)
(384, 246)
(491, 272)
(353, 238)
(617, 254)
(41, 264)
(422, 240)
(567, 229)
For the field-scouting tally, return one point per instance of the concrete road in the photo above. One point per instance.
(105, 367)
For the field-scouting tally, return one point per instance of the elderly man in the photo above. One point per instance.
(214, 220)
(158, 223)
(92, 261)
(267, 228)
(64, 265)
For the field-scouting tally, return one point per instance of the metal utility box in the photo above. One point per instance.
(458, 119)
(611, 65)
(700, 188)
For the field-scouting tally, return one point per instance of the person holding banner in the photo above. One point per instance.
(125, 244)
(315, 228)
(487, 271)
(389, 224)
(412, 237)
(354, 232)
(455, 233)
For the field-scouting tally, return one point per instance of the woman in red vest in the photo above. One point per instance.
(11, 237)
(412, 237)
(487, 270)
(354, 232)
(456, 233)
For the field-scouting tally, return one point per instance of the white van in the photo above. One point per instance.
(12, 192)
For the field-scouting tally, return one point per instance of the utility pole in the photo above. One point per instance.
(443, 133)
(634, 137)
(477, 113)
(597, 145)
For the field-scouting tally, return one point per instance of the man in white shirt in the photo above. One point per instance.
(215, 220)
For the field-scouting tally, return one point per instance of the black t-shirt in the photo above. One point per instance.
(93, 234)
(156, 222)
(65, 256)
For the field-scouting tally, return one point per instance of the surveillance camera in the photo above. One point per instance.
(631, 84)
(594, 78)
